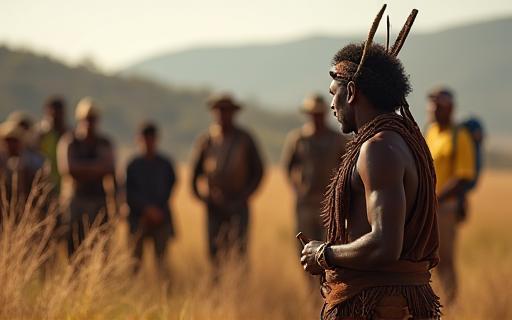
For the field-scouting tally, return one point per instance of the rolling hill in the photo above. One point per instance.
(475, 60)
(272, 80)
(26, 79)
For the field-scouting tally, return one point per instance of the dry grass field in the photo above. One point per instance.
(100, 284)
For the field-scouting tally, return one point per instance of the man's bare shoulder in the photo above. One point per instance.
(202, 140)
(383, 154)
(294, 135)
(385, 144)
(67, 138)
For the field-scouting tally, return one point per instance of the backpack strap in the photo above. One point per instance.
(455, 144)
(455, 135)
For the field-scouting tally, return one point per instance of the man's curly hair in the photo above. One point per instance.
(382, 78)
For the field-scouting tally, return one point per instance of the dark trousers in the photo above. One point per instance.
(227, 231)
(83, 209)
(160, 235)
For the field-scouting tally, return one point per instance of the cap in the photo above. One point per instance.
(86, 108)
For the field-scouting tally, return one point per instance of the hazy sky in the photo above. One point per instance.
(119, 32)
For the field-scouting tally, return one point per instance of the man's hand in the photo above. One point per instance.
(308, 259)
(216, 196)
(153, 216)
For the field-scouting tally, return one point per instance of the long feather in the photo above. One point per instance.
(369, 41)
(400, 40)
(388, 26)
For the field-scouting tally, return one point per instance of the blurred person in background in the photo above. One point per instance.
(310, 157)
(31, 154)
(51, 129)
(17, 169)
(454, 161)
(86, 163)
(227, 159)
(150, 179)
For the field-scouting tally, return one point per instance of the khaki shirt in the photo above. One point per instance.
(311, 159)
(231, 164)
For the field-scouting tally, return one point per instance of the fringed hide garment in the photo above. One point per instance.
(353, 293)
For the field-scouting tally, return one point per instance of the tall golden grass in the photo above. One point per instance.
(99, 282)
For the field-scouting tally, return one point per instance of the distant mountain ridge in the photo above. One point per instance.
(475, 60)
(27, 79)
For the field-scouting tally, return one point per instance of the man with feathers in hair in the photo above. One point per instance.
(380, 210)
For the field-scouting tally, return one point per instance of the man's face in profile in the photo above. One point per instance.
(342, 110)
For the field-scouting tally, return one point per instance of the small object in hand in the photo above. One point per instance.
(302, 238)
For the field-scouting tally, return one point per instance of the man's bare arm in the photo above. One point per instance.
(256, 168)
(464, 172)
(80, 169)
(453, 188)
(92, 169)
(289, 158)
(381, 168)
(197, 171)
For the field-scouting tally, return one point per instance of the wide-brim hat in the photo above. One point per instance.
(314, 104)
(223, 101)
(11, 130)
(20, 118)
(86, 108)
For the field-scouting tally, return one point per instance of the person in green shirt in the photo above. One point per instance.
(52, 127)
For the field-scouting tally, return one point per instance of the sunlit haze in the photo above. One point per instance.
(116, 33)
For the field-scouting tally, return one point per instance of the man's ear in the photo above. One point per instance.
(351, 92)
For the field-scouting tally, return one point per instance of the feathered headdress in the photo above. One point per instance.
(342, 70)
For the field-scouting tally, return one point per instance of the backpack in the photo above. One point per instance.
(475, 129)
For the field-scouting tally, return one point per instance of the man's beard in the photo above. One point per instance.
(345, 126)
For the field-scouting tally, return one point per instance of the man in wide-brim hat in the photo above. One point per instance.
(227, 159)
(310, 155)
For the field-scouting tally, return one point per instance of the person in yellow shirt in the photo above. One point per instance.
(454, 162)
